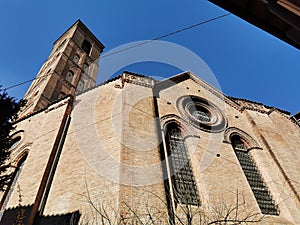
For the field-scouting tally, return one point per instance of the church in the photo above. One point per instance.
(135, 150)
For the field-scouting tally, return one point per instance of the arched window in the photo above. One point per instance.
(80, 86)
(86, 46)
(61, 95)
(14, 142)
(12, 186)
(61, 44)
(184, 185)
(86, 68)
(76, 59)
(69, 76)
(255, 180)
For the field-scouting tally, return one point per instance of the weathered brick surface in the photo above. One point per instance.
(39, 134)
(111, 155)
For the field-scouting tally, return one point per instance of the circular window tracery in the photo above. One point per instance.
(201, 113)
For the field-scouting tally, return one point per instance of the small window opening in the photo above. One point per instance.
(76, 59)
(61, 44)
(86, 46)
(61, 95)
(69, 76)
(86, 68)
(80, 86)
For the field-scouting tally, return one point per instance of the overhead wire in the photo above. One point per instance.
(134, 46)
(128, 48)
(167, 35)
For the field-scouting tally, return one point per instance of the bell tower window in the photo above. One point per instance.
(61, 95)
(86, 68)
(76, 59)
(69, 76)
(86, 46)
(80, 86)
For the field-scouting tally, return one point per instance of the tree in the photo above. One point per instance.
(9, 112)
(221, 211)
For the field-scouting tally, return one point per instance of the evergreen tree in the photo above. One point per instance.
(9, 108)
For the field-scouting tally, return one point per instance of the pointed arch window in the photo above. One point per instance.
(70, 76)
(61, 95)
(86, 46)
(80, 86)
(86, 68)
(15, 141)
(8, 192)
(184, 184)
(76, 59)
(254, 178)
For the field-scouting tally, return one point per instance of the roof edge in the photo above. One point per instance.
(80, 24)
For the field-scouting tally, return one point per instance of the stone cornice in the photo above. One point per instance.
(216, 93)
(137, 80)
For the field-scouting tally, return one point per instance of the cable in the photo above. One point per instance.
(167, 35)
(134, 46)
(37, 78)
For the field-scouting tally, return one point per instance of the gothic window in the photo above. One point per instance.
(184, 184)
(14, 142)
(61, 95)
(80, 86)
(69, 76)
(61, 44)
(8, 192)
(86, 46)
(86, 68)
(76, 59)
(255, 180)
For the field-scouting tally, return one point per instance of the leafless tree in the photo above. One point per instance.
(217, 213)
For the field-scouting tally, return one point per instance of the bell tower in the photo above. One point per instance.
(71, 68)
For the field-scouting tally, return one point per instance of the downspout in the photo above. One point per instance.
(164, 160)
(45, 185)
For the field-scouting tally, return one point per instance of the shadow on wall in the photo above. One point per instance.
(19, 215)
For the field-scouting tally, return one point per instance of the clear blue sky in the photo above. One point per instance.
(247, 62)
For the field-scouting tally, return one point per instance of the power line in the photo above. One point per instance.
(167, 35)
(36, 78)
(134, 46)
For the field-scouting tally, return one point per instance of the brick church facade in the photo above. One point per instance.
(134, 150)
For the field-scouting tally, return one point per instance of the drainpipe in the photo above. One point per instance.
(164, 160)
(45, 185)
(286, 177)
